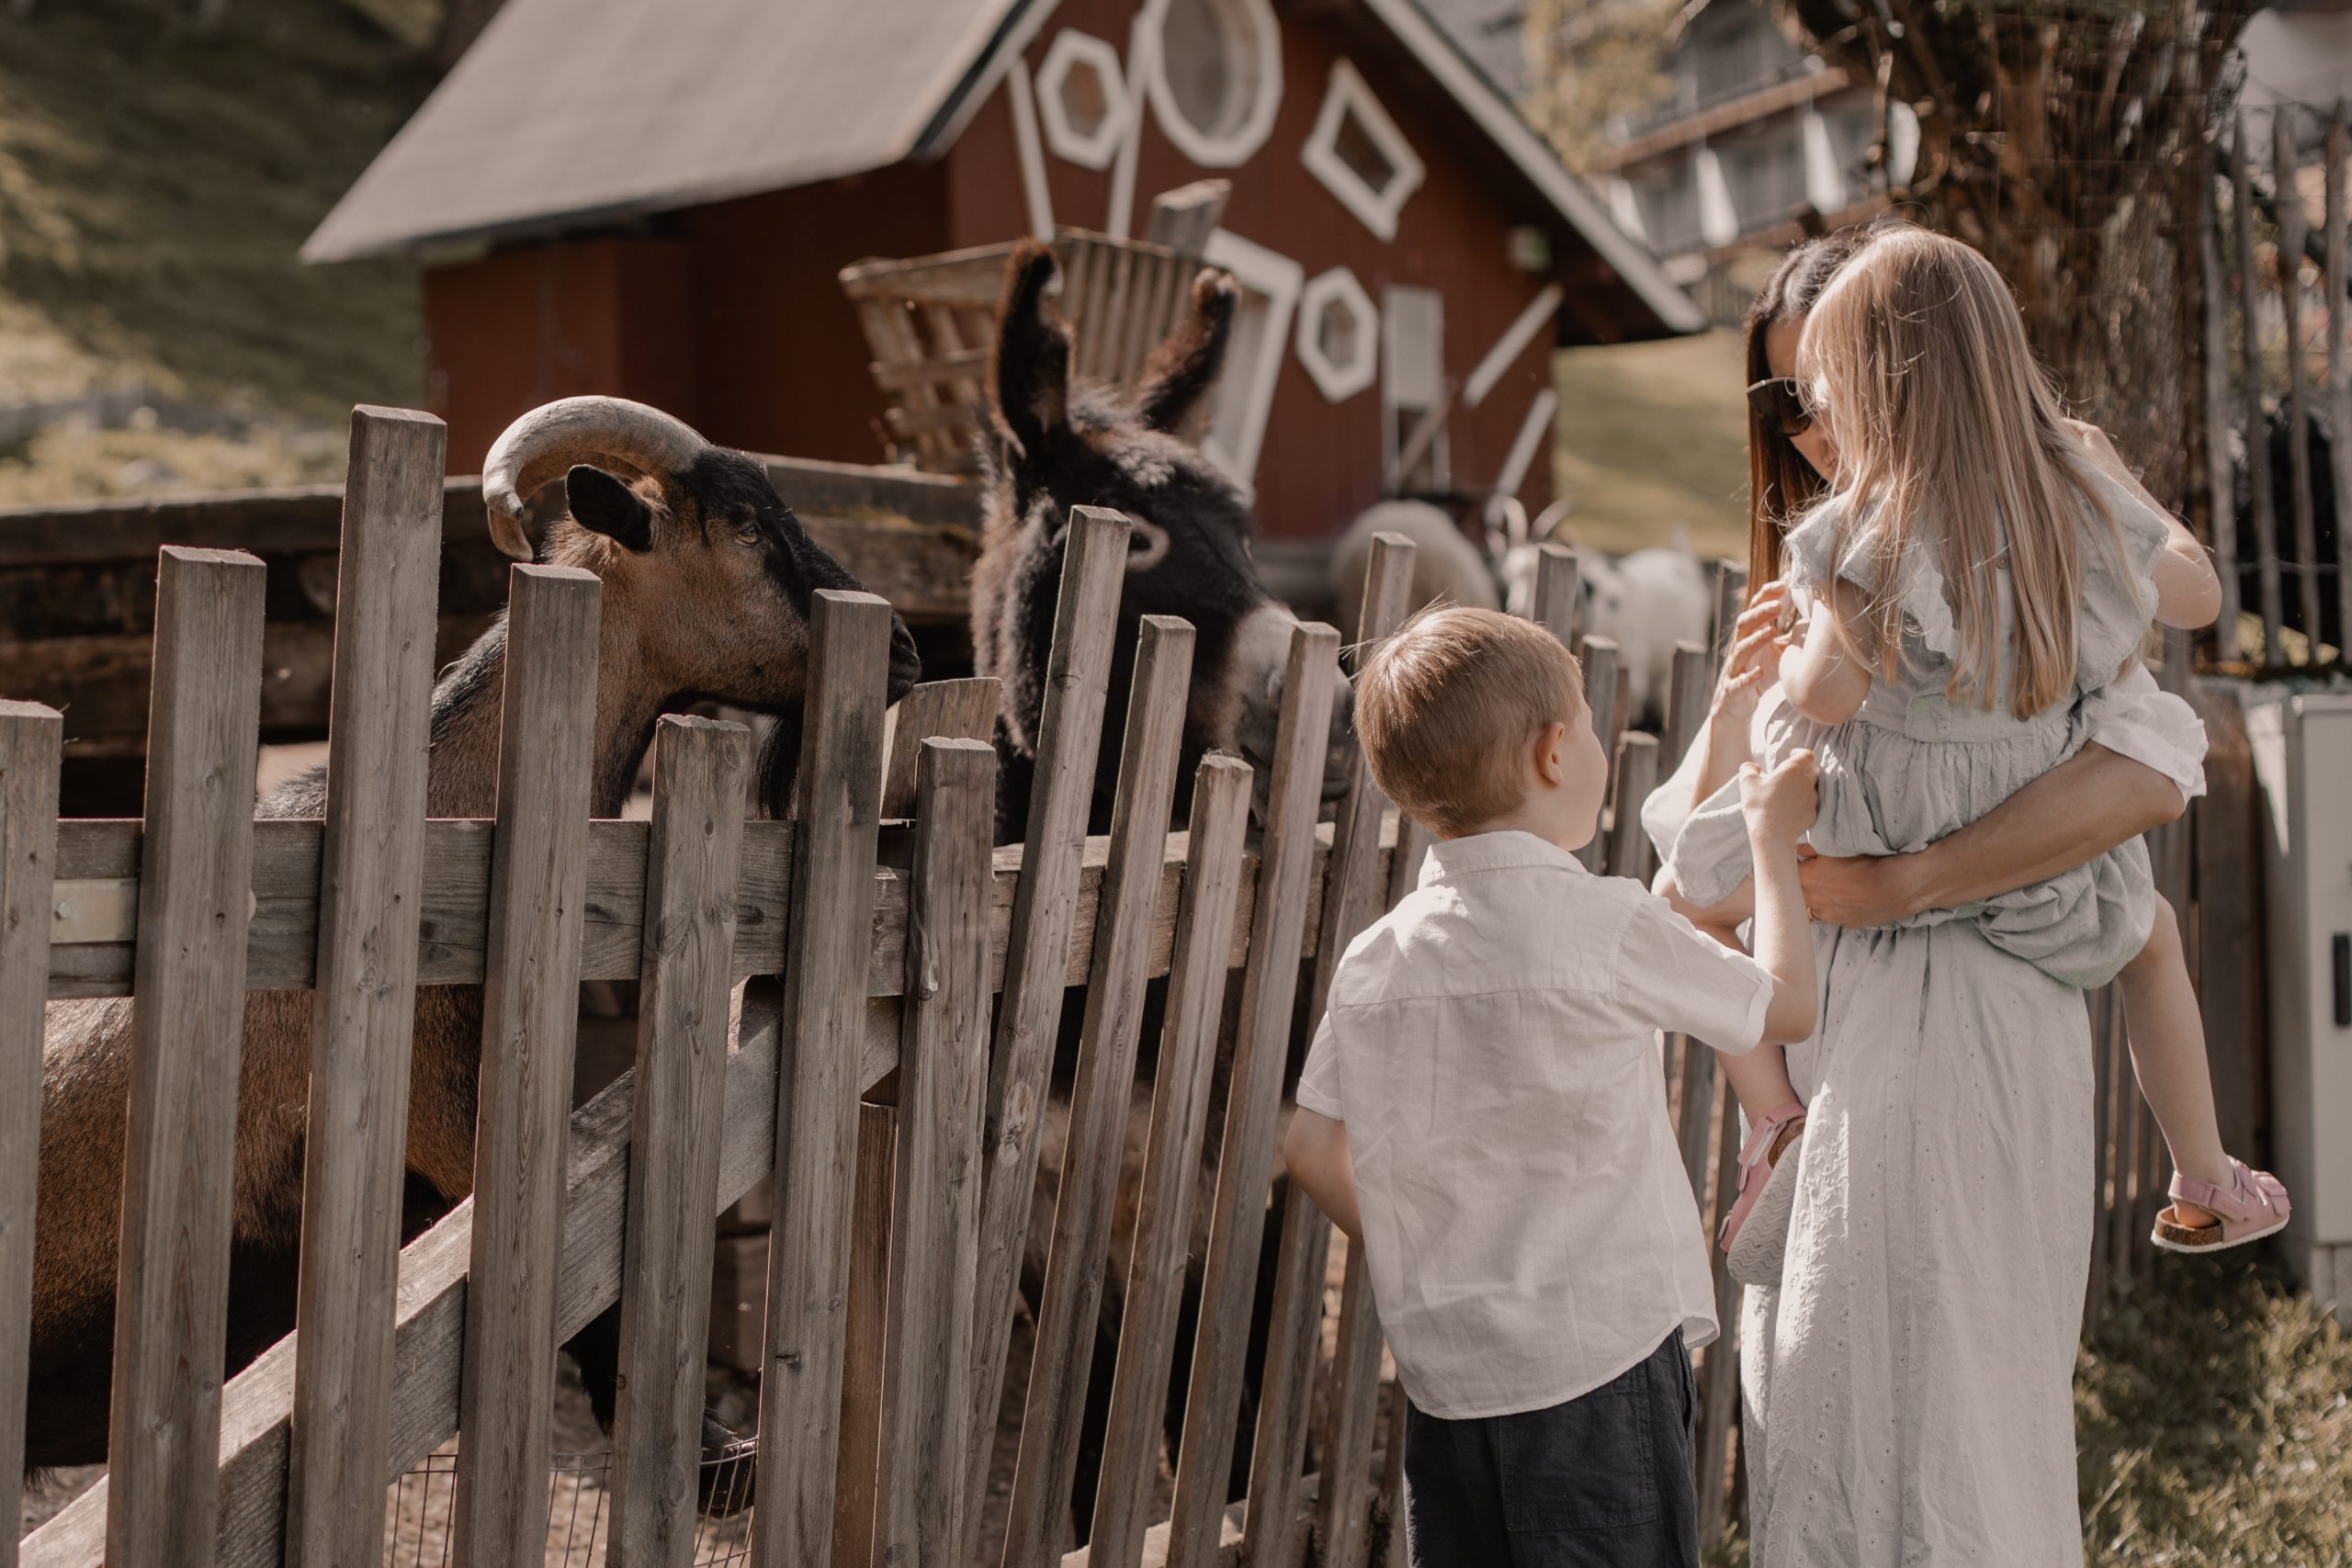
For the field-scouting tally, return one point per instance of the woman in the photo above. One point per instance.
(1924, 1493)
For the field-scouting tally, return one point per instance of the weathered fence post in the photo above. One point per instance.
(1600, 696)
(529, 1016)
(1352, 899)
(371, 879)
(188, 1025)
(693, 856)
(828, 948)
(1269, 986)
(1069, 1304)
(2220, 479)
(2257, 435)
(1180, 1104)
(30, 740)
(1037, 957)
(2299, 428)
(919, 1512)
(1342, 1505)
(2339, 385)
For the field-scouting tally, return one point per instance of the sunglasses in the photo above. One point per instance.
(1776, 402)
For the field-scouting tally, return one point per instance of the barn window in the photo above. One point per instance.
(1416, 457)
(1245, 396)
(1360, 155)
(1082, 99)
(1339, 334)
(1215, 76)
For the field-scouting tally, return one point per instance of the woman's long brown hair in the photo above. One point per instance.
(1781, 483)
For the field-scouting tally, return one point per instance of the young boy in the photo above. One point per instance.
(1481, 1109)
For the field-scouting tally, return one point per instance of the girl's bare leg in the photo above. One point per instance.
(2168, 1036)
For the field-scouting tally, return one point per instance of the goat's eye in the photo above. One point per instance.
(749, 534)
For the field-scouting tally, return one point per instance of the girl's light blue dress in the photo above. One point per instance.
(1908, 1385)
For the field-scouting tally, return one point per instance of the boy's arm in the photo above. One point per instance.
(1315, 1147)
(1780, 806)
(1824, 678)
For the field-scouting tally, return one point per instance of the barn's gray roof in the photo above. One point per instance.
(573, 109)
(568, 111)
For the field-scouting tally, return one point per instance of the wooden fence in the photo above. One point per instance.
(2278, 520)
(892, 1078)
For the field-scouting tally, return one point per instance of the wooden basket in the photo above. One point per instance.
(931, 321)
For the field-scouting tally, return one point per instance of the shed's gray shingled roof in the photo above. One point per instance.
(579, 108)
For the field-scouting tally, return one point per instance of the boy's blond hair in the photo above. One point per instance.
(1445, 707)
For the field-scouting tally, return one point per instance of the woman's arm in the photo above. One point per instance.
(1824, 678)
(2075, 813)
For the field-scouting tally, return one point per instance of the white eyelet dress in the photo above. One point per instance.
(1908, 1384)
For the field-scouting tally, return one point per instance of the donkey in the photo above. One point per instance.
(707, 583)
(1051, 445)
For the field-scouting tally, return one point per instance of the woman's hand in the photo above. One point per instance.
(1861, 891)
(1759, 639)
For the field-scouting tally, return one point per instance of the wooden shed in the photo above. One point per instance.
(657, 201)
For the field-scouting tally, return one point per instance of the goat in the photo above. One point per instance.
(1447, 568)
(707, 579)
(1645, 602)
(1052, 444)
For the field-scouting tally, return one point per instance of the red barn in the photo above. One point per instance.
(655, 201)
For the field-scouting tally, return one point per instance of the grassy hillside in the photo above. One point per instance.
(155, 183)
(1653, 439)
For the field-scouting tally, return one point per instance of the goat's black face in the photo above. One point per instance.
(723, 577)
(1053, 445)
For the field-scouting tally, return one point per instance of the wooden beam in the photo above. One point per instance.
(530, 1013)
(29, 761)
(371, 874)
(1180, 1104)
(1069, 1304)
(676, 1124)
(1038, 952)
(919, 1512)
(835, 818)
(188, 1025)
(2257, 442)
(1269, 986)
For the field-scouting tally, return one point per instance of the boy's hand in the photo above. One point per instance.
(1780, 804)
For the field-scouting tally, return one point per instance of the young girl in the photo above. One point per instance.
(1938, 670)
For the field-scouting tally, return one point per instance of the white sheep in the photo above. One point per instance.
(1645, 602)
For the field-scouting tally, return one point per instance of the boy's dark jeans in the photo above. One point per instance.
(1604, 1481)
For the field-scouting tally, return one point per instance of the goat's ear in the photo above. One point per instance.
(1030, 381)
(1183, 368)
(602, 504)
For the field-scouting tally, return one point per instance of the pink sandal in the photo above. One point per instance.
(1755, 1235)
(2253, 1206)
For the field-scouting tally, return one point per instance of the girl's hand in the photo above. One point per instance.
(1759, 637)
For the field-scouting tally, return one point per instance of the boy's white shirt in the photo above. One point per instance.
(1492, 1046)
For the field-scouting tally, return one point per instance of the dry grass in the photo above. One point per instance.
(2212, 1424)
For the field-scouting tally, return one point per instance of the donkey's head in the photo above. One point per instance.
(695, 548)
(1054, 443)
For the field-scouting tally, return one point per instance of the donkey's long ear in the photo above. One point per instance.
(1029, 381)
(1183, 368)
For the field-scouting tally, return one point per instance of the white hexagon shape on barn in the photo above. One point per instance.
(1214, 70)
(1082, 98)
(1339, 334)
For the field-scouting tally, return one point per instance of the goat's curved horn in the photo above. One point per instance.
(552, 437)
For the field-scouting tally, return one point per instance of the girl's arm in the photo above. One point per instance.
(1824, 678)
(2075, 813)
(2189, 591)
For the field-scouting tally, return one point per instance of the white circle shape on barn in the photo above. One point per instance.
(1213, 71)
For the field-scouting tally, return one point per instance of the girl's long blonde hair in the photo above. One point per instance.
(1950, 438)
